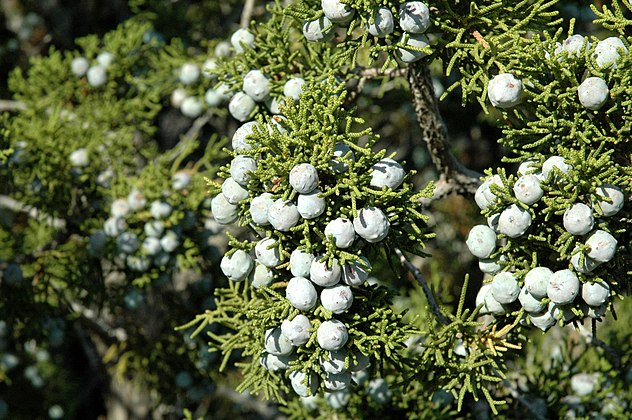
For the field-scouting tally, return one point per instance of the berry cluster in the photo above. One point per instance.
(553, 231)
(152, 233)
(397, 28)
(192, 79)
(551, 284)
(96, 73)
(320, 214)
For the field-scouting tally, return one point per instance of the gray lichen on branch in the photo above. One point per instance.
(454, 177)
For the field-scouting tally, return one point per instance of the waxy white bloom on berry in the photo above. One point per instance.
(297, 330)
(334, 361)
(563, 287)
(191, 107)
(529, 302)
(554, 162)
(615, 198)
(602, 246)
(154, 228)
(294, 87)
(105, 58)
(259, 208)
(321, 29)
(97, 76)
(574, 45)
(180, 180)
(578, 219)
(608, 51)
(491, 265)
(79, 66)
(408, 55)
(119, 207)
(528, 167)
(241, 169)
(337, 11)
(504, 90)
(242, 38)
(283, 215)
(583, 263)
(387, 173)
(514, 221)
(79, 158)
(336, 299)
(505, 288)
(342, 155)
(151, 245)
(177, 97)
(484, 195)
(378, 390)
(337, 381)
(276, 343)
(543, 321)
(355, 273)
(537, 281)
(223, 212)
(169, 241)
(241, 106)
(267, 252)
(338, 399)
(234, 192)
(332, 335)
(595, 294)
(371, 224)
(261, 276)
(342, 231)
(593, 93)
(583, 384)
(324, 274)
(127, 242)
(189, 73)
(492, 306)
(213, 98)
(256, 85)
(237, 265)
(222, 49)
(300, 263)
(304, 178)
(561, 312)
(383, 23)
(274, 363)
(114, 226)
(159, 209)
(414, 17)
(136, 200)
(303, 384)
(301, 293)
(527, 189)
(481, 241)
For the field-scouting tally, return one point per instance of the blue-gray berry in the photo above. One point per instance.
(505, 288)
(332, 335)
(311, 205)
(481, 241)
(414, 17)
(563, 287)
(301, 293)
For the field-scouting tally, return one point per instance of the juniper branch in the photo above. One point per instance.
(434, 307)
(453, 176)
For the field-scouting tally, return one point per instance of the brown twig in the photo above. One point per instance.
(11, 106)
(246, 13)
(366, 73)
(421, 280)
(453, 176)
